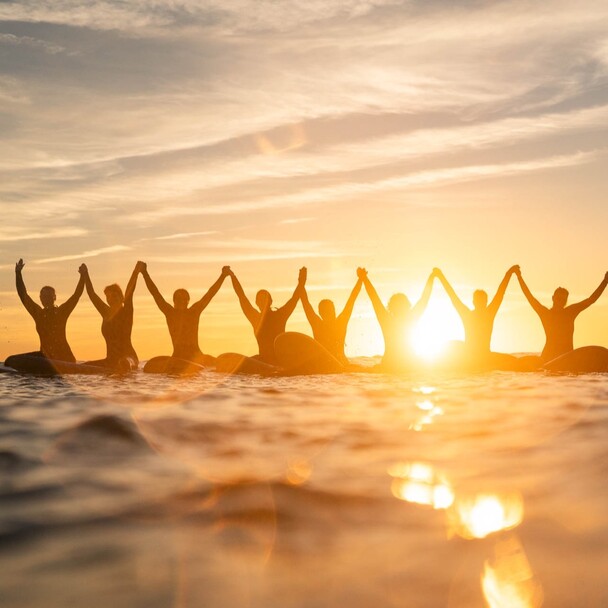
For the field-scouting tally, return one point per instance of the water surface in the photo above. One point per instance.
(357, 490)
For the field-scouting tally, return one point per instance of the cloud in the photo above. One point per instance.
(8, 235)
(85, 254)
(228, 16)
(163, 125)
(420, 179)
(297, 220)
(182, 235)
(231, 258)
(28, 41)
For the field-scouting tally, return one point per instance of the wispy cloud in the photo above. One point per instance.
(182, 235)
(85, 254)
(231, 258)
(28, 41)
(297, 220)
(420, 179)
(9, 235)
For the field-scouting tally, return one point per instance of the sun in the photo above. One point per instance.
(435, 329)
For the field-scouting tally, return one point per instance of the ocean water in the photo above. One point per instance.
(360, 490)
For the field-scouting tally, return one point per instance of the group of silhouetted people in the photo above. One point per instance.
(396, 320)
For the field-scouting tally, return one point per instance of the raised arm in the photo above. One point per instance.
(68, 306)
(164, 306)
(311, 315)
(502, 288)
(580, 306)
(248, 310)
(100, 305)
(204, 301)
(130, 290)
(379, 309)
(344, 316)
(461, 309)
(539, 309)
(29, 304)
(290, 305)
(422, 303)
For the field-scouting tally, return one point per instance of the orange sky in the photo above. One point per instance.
(394, 135)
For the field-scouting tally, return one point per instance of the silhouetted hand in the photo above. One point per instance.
(361, 273)
(226, 272)
(83, 270)
(302, 275)
(514, 269)
(141, 266)
(19, 265)
(517, 271)
(437, 272)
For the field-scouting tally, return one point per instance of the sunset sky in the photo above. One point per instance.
(269, 135)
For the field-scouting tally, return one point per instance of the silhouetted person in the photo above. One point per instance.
(479, 322)
(396, 320)
(327, 328)
(267, 323)
(558, 321)
(50, 319)
(182, 320)
(117, 323)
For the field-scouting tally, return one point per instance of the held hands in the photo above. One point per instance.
(302, 275)
(514, 270)
(361, 273)
(19, 265)
(437, 273)
(141, 267)
(83, 270)
(226, 271)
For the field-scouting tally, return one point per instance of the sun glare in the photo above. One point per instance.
(437, 326)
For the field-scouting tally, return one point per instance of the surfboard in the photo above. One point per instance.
(41, 366)
(299, 354)
(172, 366)
(587, 359)
(234, 363)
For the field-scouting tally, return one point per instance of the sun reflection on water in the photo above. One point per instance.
(508, 581)
(430, 411)
(481, 515)
(419, 483)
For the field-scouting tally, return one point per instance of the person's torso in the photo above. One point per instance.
(270, 324)
(397, 336)
(559, 331)
(51, 327)
(183, 328)
(331, 334)
(116, 330)
(478, 327)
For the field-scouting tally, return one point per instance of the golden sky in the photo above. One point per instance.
(270, 135)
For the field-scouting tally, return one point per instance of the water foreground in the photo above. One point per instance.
(354, 490)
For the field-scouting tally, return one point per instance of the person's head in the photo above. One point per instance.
(48, 296)
(560, 298)
(399, 305)
(181, 298)
(327, 310)
(480, 299)
(263, 299)
(114, 295)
